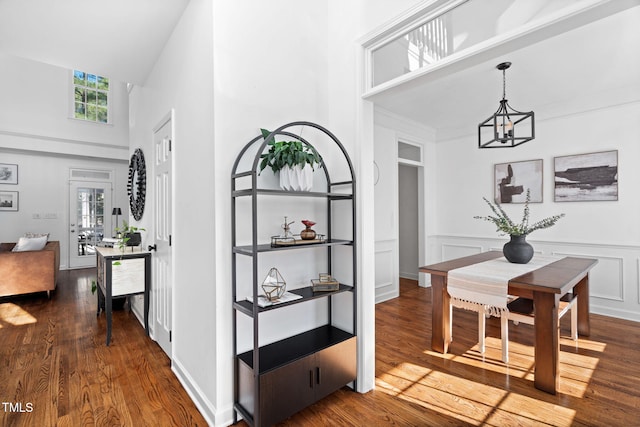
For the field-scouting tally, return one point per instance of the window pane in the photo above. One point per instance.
(103, 83)
(92, 80)
(80, 110)
(78, 77)
(80, 95)
(102, 98)
(91, 97)
(91, 112)
(102, 115)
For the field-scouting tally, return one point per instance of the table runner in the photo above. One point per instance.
(485, 285)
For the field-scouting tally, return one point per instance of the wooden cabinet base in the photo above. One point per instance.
(286, 388)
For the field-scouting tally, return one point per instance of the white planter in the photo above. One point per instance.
(297, 178)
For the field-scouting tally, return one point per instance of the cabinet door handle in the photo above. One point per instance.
(311, 379)
(318, 374)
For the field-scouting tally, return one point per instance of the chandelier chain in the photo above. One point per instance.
(504, 84)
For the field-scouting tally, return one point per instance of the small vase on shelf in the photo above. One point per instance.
(308, 233)
(518, 250)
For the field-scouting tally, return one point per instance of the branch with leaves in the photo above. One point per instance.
(505, 225)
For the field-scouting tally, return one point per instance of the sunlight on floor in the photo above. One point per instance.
(432, 390)
(15, 315)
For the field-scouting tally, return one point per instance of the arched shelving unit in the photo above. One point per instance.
(276, 380)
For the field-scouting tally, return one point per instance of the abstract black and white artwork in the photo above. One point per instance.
(586, 177)
(8, 173)
(512, 180)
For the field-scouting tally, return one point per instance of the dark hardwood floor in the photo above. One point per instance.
(599, 376)
(54, 364)
(53, 358)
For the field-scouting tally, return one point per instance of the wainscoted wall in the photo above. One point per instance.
(614, 283)
(387, 286)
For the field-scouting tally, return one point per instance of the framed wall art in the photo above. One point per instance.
(8, 173)
(9, 201)
(512, 180)
(586, 177)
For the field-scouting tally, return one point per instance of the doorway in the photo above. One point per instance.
(411, 217)
(89, 203)
(408, 222)
(162, 260)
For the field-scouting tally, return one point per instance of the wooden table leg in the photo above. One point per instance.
(547, 341)
(440, 315)
(582, 290)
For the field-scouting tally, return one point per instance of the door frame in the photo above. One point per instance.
(420, 165)
(77, 175)
(169, 117)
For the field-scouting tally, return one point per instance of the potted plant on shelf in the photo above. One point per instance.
(293, 160)
(128, 235)
(517, 250)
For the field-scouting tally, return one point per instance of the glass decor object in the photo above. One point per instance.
(308, 233)
(273, 285)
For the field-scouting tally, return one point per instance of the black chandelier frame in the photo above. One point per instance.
(501, 129)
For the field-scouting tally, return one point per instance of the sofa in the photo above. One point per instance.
(29, 271)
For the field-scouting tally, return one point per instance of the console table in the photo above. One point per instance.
(123, 274)
(545, 286)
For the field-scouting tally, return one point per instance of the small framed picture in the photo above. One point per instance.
(586, 177)
(9, 201)
(512, 180)
(8, 173)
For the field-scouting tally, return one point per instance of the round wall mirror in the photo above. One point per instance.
(137, 184)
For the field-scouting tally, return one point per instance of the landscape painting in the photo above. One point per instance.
(512, 180)
(8, 200)
(586, 177)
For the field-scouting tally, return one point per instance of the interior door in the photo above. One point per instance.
(162, 287)
(89, 203)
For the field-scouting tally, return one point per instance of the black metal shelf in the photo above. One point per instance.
(266, 247)
(293, 348)
(273, 192)
(325, 348)
(246, 306)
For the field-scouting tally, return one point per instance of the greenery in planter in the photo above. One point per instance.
(505, 225)
(287, 153)
(124, 234)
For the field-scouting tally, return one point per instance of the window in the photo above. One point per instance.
(91, 97)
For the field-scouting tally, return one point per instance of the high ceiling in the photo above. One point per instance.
(593, 62)
(117, 38)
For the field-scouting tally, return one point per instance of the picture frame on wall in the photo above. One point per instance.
(8, 173)
(586, 177)
(513, 179)
(9, 201)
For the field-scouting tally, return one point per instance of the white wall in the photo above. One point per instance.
(388, 130)
(37, 134)
(35, 111)
(605, 230)
(273, 74)
(182, 80)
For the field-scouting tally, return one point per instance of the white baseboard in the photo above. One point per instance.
(387, 296)
(205, 407)
(410, 276)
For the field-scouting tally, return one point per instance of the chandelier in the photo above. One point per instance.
(507, 127)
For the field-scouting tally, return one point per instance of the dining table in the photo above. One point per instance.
(545, 286)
